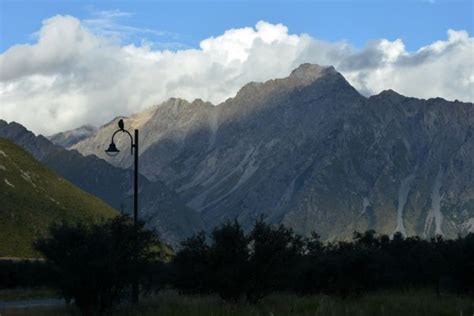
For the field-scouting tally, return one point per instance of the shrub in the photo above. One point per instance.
(96, 263)
(191, 267)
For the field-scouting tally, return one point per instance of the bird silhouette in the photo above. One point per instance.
(120, 124)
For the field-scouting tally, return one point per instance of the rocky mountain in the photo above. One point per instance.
(33, 197)
(311, 152)
(69, 138)
(160, 206)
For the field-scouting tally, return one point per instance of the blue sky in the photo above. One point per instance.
(416, 22)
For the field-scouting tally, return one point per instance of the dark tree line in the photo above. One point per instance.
(94, 265)
(270, 259)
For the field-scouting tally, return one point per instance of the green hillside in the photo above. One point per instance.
(32, 197)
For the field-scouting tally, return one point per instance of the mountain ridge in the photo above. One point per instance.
(68, 138)
(320, 155)
(311, 152)
(112, 184)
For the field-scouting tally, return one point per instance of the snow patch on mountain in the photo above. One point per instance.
(435, 211)
(365, 204)
(8, 183)
(405, 186)
(26, 176)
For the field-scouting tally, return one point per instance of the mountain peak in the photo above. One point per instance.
(304, 75)
(310, 72)
(389, 94)
(71, 137)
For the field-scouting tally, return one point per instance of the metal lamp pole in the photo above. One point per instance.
(113, 151)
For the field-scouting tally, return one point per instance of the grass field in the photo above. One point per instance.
(377, 304)
(26, 294)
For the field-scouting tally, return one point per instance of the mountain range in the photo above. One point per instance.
(311, 152)
(160, 206)
(308, 151)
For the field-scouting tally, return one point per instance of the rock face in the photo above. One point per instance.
(309, 151)
(72, 137)
(159, 205)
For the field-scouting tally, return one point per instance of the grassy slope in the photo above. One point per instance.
(32, 197)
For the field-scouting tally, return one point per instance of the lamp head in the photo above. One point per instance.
(112, 150)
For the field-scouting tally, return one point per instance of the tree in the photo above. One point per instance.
(229, 255)
(273, 259)
(274, 251)
(96, 263)
(191, 270)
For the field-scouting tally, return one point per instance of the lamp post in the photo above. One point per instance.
(114, 151)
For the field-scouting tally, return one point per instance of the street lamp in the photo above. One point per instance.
(114, 151)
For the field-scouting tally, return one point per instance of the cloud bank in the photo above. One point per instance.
(73, 75)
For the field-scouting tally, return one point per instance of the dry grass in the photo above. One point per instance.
(407, 303)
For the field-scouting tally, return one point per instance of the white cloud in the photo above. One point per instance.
(110, 23)
(74, 75)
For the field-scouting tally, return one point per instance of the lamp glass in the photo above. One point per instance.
(112, 150)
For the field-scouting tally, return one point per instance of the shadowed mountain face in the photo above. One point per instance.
(310, 152)
(160, 206)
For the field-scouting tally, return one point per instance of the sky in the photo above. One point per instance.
(68, 63)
